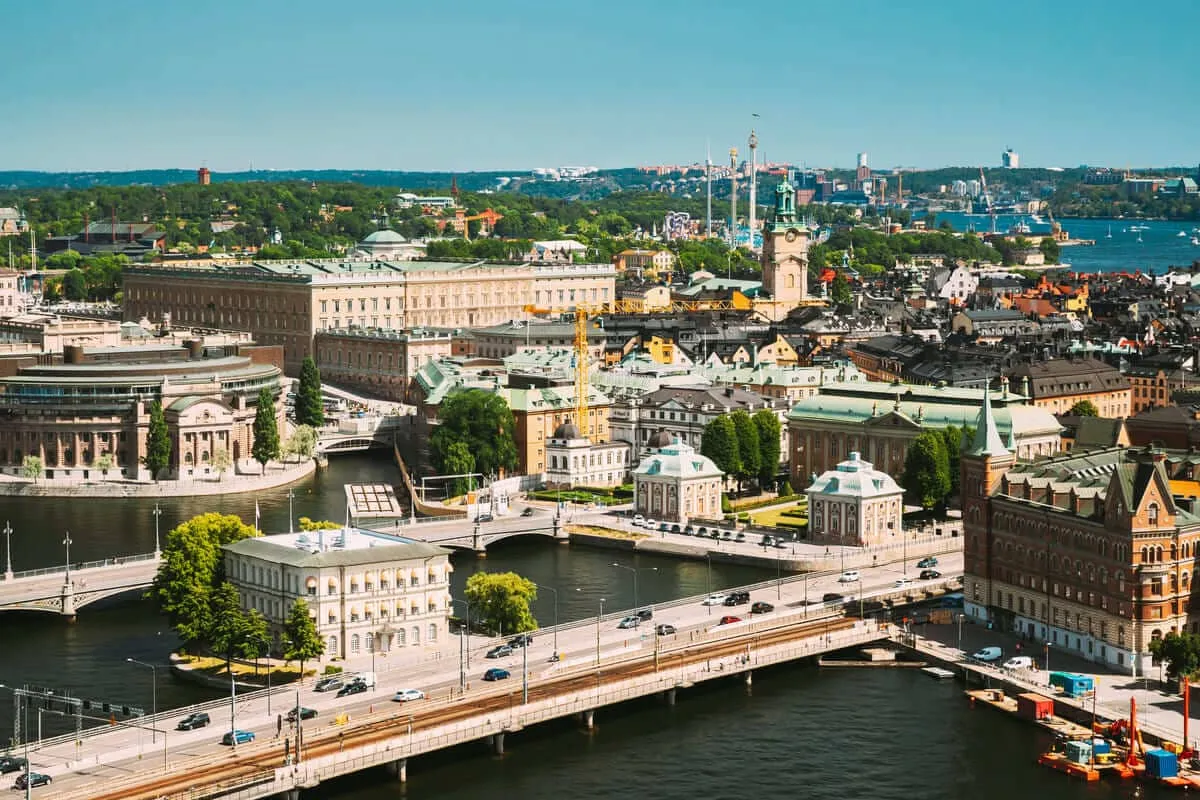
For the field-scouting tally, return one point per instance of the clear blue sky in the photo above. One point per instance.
(515, 84)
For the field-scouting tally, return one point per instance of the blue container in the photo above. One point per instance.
(1101, 747)
(1079, 752)
(1072, 684)
(1161, 764)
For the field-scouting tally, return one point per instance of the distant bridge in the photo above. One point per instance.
(474, 536)
(61, 591)
(355, 434)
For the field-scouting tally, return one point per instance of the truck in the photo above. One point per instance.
(366, 677)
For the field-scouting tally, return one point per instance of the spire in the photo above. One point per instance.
(987, 439)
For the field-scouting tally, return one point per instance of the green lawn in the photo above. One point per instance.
(772, 516)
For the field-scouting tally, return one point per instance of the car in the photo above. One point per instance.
(500, 651)
(665, 629)
(780, 544)
(662, 526)
(33, 780)
(714, 600)
(528, 512)
(702, 531)
(11, 764)
(406, 695)
(1018, 662)
(737, 598)
(761, 608)
(237, 737)
(849, 576)
(523, 640)
(727, 534)
(689, 531)
(305, 713)
(927, 561)
(354, 687)
(189, 723)
(832, 597)
(767, 541)
(902, 583)
(630, 622)
(988, 654)
(716, 534)
(675, 528)
(496, 674)
(644, 614)
(639, 520)
(329, 685)
(930, 574)
(729, 620)
(741, 537)
(484, 518)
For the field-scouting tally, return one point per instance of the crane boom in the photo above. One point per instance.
(987, 198)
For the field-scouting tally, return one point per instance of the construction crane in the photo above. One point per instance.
(580, 360)
(988, 199)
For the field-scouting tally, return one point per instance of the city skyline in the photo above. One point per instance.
(278, 85)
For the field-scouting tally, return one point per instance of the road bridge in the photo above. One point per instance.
(64, 591)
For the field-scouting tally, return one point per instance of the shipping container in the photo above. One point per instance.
(1161, 764)
(1073, 684)
(1079, 752)
(1034, 706)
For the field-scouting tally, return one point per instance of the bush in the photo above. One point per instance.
(726, 508)
(330, 669)
(624, 492)
(785, 489)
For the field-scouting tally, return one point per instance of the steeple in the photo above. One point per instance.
(987, 440)
(784, 215)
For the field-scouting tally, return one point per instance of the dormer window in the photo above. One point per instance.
(1152, 513)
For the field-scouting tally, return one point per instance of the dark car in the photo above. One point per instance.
(484, 518)
(761, 608)
(496, 674)
(354, 687)
(189, 723)
(11, 764)
(832, 597)
(329, 685)
(927, 561)
(737, 598)
(35, 779)
(524, 640)
(729, 620)
(644, 614)
(500, 651)
(305, 713)
(930, 574)
(665, 629)
(528, 512)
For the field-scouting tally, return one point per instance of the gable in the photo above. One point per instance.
(892, 419)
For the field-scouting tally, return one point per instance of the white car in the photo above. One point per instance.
(902, 583)
(714, 600)
(1018, 662)
(405, 695)
(639, 520)
(849, 576)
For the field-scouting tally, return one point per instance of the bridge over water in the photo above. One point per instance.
(63, 590)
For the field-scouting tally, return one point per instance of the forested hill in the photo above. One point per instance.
(468, 181)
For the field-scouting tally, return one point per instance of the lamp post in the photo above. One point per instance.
(1047, 650)
(464, 650)
(153, 693)
(22, 705)
(552, 589)
(598, 618)
(8, 532)
(157, 512)
(67, 542)
(291, 510)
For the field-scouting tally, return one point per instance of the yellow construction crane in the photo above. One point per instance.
(582, 360)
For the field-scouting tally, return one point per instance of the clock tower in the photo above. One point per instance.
(785, 250)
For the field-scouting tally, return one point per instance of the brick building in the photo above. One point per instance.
(1058, 384)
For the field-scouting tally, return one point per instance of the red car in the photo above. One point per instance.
(729, 620)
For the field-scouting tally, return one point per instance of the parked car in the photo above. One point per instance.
(354, 687)
(523, 640)
(927, 561)
(737, 598)
(689, 531)
(741, 537)
(676, 528)
(630, 622)
(849, 576)
(644, 614)
(189, 723)
(714, 600)
(406, 695)
(237, 737)
(496, 674)
(768, 540)
(329, 685)
(484, 518)
(638, 519)
(33, 780)
(1018, 662)
(780, 544)
(665, 629)
(761, 608)
(902, 583)
(988, 654)
(12, 764)
(500, 651)
(729, 620)
(305, 713)
(930, 574)
(528, 512)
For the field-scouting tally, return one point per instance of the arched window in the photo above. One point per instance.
(432, 632)
(355, 643)
(416, 635)
(1152, 513)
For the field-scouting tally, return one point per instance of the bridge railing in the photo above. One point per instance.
(84, 565)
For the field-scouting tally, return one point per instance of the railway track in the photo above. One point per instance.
(209, 778)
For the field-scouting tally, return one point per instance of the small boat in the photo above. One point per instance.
(1196, 240)
(1037, 220)
(937, 673)
(1181, 233)
(1109, 234)
(1139, 238)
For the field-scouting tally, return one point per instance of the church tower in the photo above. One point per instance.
(785, 250)
(982, 466)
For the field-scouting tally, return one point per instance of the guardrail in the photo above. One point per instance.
(118, 561)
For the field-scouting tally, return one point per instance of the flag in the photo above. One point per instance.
(256, 515)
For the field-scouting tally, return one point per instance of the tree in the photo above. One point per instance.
(719, 442)
(103, 462)
(484, 423)
(1049, 248)
(221, 461)
(158, 442)
(769, 431)
(307, 524)
(310, 408)
(952, 441)
(303, 642)
(266, 430)
(927, 470)
(459, 461)
(74, 285)
(500, 601)
(191, 567)
(749, 452)
(256, 640)
(839, 290)
(303, 442)
(1084, 408)
(1180, 651)
(229, 626)
(32, 467)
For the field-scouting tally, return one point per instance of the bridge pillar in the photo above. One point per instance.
(68, 601)
(560, 533)
(749, 678)
(477, 544)
(399, 770)
(498, 744)
(290, 794)
(669, 696)
(588, 718)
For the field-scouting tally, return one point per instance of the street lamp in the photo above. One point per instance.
(153, 692)
(960, 622)
(8, 532)
(157, 512)
(67, 543)
(463, 648)
(635, 571)
(23, 702)
(291, 512)
(1047, 649)
(598, 618)
(552, 589)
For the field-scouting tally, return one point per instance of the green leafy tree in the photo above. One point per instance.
(769, 431)
(103, 462)
(303, 642)
(191, 567)
(1049, 248)
(303, 442)
(927, 470)
(229, 625)
(500, 601)
(158, 442)
(307, 524)
(484, 423)
(952, 441)
(1181, 652)
(839, 290)
(74, 285)
(310, 408)
(221, 461)
(32, 467)
(749, 451)
(720, 443)
(266, 430)
(459, 461)
(256, 640)
(1084, 408)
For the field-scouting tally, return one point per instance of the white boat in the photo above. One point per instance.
(1139, 237)
(1020, 227)
(1181, 233)
(1037, 220)
(1196, 240)
(1109, 234)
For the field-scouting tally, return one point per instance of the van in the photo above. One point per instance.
(366, 677)
(1019, 662)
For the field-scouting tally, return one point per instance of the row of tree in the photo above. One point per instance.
(744, 447)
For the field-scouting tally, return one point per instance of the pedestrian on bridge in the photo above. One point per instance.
(278, 725)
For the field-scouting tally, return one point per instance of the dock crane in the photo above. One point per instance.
(987, 199)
